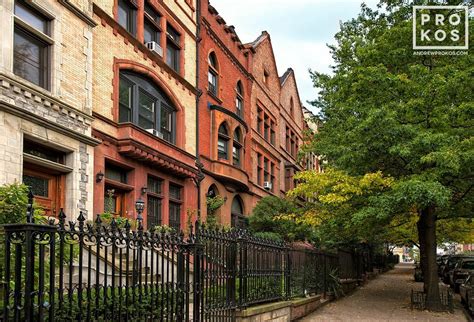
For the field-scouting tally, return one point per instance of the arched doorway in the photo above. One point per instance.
(238, 219)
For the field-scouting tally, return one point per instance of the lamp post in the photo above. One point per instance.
(139, 206)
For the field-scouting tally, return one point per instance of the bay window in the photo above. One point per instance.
(143, 103)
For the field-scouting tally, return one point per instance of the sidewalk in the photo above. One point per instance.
(386, 298)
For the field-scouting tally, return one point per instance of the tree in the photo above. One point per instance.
(274, 218)
(409, 117)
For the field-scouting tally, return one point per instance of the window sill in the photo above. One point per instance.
(214, 96)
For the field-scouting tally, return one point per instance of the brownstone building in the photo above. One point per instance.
(251, 120)
(104, 103)
(277, 123)
(144, 101)
(224, 117)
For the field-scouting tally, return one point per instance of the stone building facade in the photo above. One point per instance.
(46, 102)
(144, 100)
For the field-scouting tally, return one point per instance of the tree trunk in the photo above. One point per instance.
(423, 255)
(427, 234)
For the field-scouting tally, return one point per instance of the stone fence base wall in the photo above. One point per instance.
(284, 311)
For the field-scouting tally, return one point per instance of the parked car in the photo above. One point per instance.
(466, 290)
(441, 261)
(461, 271)
(449, 267)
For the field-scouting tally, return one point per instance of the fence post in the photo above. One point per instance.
(324, 275)
(197, 281)
(242, 269)
(288, 272)
(231, 258)
(180, 278)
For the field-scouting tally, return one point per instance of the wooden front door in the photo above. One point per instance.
(47, 189)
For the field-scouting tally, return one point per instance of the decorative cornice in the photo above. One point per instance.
(11, 109)
(78, 12)
(132, 148)
(119, 125)
(226, 50)
(41, 95)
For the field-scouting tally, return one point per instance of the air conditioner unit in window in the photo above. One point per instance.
(155, 47)
(267, 185)
(155, 133)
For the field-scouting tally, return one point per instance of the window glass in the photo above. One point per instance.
(151, 33)
(175, 192)
(154, 185)
(222, 149)
(38, 186)
(30, 57)
(222, 142)
(146, 105)
(127, 16)
(153, 211)
(173, 34)
(43, 152)
(167, 122)
(125, 101)
(236, 155)
(468, 265)
(172, 56)
(239, 102)
(152, 14)
(212, 80)
(172, 47)
(146, 110)
(31, 17)
(115, 173)
(175, 215)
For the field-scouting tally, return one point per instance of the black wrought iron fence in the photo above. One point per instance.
(79, 270)
(90, 271)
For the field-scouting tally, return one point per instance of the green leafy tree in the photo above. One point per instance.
(409, 117)
(276, 218)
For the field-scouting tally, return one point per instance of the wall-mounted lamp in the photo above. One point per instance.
(144, 190)
(99, 176)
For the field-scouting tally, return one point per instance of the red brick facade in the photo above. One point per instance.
(250, 119)
(272, 118)
(218, 107)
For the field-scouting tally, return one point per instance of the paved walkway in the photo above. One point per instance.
(386, 298)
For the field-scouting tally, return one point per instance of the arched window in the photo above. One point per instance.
(212, 191)
(213, 74)
(223, 142)
(237, 148)
(292, 107)
(146, 105)
(239, 99)
(237, 213)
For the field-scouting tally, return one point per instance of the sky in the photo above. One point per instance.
(299, 29)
